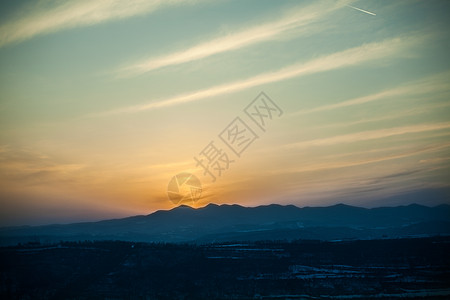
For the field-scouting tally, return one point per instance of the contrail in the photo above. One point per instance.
(365, 11)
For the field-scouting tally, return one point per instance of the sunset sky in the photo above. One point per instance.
(103, 102)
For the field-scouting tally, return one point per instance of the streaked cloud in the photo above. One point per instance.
(433, 83)
(170, 165)
(382, 128)
(311, 177)
(297, 18)
(350, 57)
(45, 17)
(369, 135)
(29, 167)
(323, 166)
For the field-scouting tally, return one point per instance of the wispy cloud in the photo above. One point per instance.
(350, 57)
(433, 83)
(327, 178)
(45, 17)
(404, 113)
(170, 165)
(369, 135)
(233, 41)
(322, 166)
(31, 167)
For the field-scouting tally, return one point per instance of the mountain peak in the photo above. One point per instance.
(184, 207)
(343, 205)
(415, 205)
(230, 222)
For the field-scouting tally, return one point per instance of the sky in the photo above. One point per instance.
(309, 103)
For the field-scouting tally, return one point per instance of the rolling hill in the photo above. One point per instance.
(221, 223)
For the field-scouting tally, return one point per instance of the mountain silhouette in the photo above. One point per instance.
(220, 223)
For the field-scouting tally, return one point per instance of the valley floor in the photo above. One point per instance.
(416, 268)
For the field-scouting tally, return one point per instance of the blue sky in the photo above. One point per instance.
(102, 102)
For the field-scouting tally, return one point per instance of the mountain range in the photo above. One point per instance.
(228, 223)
